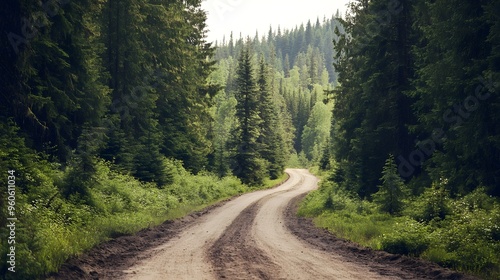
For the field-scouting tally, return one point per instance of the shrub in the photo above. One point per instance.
(54, 227)
(314, 203)
(472, 237)
(441, 256)
(328, 197)
(407, 238)
(432, 204)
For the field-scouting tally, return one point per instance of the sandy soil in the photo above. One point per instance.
(253, 236)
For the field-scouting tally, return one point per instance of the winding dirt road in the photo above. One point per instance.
(247, 239)
(254, 236)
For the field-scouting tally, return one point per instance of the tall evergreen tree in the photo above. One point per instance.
(270, 140)
(249, 167)
(58, 86)
(134, 98)
(371, 109)
(457, 93)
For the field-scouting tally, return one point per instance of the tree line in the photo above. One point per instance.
(124, 81)
(294, 69)
(413, 159)
(420, 83)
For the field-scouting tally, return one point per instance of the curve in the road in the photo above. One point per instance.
(184, 257)
(247, 238)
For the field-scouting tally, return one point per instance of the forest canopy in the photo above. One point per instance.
(121, 112)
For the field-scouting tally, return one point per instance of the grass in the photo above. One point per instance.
(53, 228)
(467, 238)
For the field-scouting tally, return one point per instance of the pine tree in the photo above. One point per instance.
(131, 66)
(372, 111)
(456, 90)
(183, 65)
(249, 167)
(391, 194)
(271, 146)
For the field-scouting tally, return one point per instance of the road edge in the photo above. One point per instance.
(107, 260)
(382, 262)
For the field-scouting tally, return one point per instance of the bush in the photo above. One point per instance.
(313, 204)
(407, 238)
(329, 197)
(432, 204)
(472, 236)
(441, 256)
(461, 233)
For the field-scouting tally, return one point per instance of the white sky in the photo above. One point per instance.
(247, 16)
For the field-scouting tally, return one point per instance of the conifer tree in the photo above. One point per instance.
(463, 100)
(271, 146)
(391, 194)
(372, 111)
(249, 166)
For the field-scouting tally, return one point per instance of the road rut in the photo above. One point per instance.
(253, 236)
(247, 238)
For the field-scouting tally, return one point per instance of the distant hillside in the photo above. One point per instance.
(307, 47)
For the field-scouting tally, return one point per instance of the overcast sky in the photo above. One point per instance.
(247, 16)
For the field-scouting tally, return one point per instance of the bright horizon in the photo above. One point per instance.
(249, 16)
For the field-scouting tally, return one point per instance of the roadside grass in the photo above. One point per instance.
(466, 238)
(53, 228)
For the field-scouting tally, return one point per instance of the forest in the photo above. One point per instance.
(414, 147)
(118, 115)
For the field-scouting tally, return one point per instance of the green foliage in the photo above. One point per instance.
(297, 74)
(407, 238)
(461, 233)
(316, 131)
(58, 85)
(462, 101)
(469, 238)
(371, 111)
(341, 212)
(224, 124)
(271, 138)
(392, 192)
(420, 83)
(106, 117)
(53, 228)
(258, 148)
(432, 204)
(248, 166)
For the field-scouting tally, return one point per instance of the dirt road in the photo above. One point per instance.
(254, 236)
(247, 239)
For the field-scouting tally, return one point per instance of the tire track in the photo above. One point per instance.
(235, 255)
(254, 236)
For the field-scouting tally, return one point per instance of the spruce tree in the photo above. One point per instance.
(392, 192)
(270, 140)
(456, 92)
(372, 111)
(249, 166)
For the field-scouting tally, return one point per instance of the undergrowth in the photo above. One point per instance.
(461, 233)
(52, 228)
